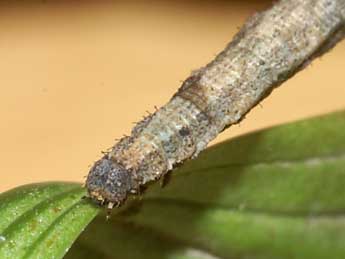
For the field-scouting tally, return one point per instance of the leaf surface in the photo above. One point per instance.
(274, 193)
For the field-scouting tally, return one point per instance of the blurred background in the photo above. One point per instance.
(75, 75)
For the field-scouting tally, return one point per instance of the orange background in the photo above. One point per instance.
(75, 75)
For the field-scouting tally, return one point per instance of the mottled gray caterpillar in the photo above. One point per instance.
(271, 47)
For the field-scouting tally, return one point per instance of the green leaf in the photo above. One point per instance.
(42, 220)
(275, 193)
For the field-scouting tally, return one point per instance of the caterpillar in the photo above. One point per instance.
(270, 48)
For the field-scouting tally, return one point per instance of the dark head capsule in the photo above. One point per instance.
(108, 182)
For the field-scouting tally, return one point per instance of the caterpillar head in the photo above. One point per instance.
(108, 182)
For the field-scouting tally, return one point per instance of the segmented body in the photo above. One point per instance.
(270, 48)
